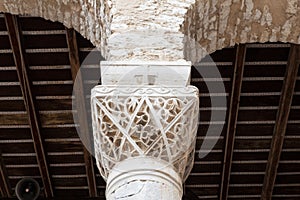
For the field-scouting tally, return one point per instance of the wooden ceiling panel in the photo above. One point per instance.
(295, 114)
(267, 54)
(252, 166)
(7, 60)
(266, 99)
(34, 24)
(15, 179)
(12, 105)
(55, 58)
(207, 166)
(63, 146)
(71, 170)
(14, 134)
(54, 104)
(69, 182)
(23, 171)
(289, 166)
(56, 118)
(14, 119)
(265, 70)
(250, 114)
(291, 190)
(45, 41)
(286, 197)
(250, 156)
(251, 129)
(77, 192)
(290, 154)
(214, 156)
(287, 178)
(246, 178)
(244, 190)
(2, 23)
(4, 42)
(281, 121)
(59, 132)
(17, 147)
(9, 77)
(297, 86)
(59, 159)
(292, 129)
(53, 90)
(49, 74)
(11, 91)
(21, 160)
(296, 99)
(205, 191)
(291, 142)
(264, 86)
(252, 144)
(227, 55)
(206, 178)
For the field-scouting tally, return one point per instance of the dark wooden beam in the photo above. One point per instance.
(232, 119)
(281, 121)
(189, 195)
(81, 108)
(29, 101)
(5, 188)
(64, 198)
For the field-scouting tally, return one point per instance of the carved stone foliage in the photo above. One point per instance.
(151, 122)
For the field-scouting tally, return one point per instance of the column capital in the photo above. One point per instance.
(145, 120)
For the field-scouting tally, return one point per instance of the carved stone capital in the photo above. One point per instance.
(147, 131)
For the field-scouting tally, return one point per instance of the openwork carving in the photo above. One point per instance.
(145, 122)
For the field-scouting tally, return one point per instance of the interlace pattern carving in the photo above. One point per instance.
(148, 121)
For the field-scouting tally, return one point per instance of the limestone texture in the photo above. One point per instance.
(168, 30)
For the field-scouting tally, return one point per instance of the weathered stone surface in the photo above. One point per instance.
(91, 18)
(215, 24)
(150, 29)
(147, 29)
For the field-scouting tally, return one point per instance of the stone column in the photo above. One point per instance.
(145, 117)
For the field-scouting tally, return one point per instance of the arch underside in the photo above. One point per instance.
(215, 24)
(208, 24)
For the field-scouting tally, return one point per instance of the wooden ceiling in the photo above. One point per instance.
(256, 157)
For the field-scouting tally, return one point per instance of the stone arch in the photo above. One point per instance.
(209, 24)
(215, 24)
(90, 18)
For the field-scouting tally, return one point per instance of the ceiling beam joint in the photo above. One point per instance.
(279, 130)
(5, 187)
(232, 119)
(81, 108)
(15, 37)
